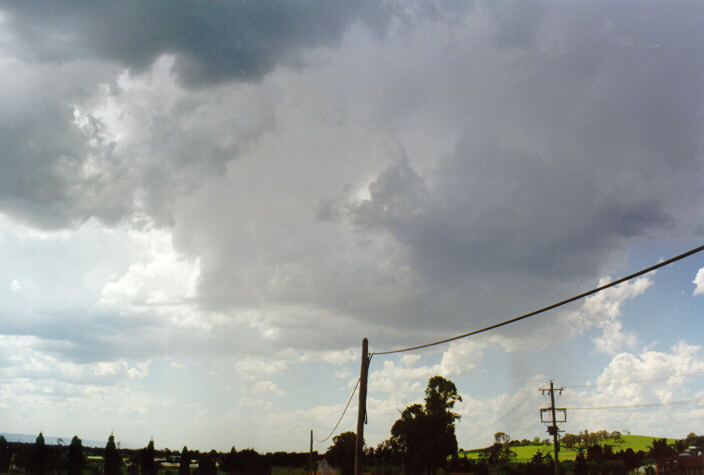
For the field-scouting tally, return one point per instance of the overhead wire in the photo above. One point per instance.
(588, 379)
(693, 374)
(341, 415)
(495, 421)
(549, 307)
(683, 402)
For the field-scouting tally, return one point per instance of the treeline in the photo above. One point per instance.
(42, 459)
(588, 439)
(597, 460)
(594, 455)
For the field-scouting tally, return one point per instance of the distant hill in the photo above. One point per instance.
(50, 439)
(526, 452)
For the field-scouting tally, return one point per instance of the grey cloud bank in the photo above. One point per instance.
(520, 153)
(215, 41)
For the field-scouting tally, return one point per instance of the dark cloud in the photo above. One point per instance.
(215, 41)
(537, 148)
(502, 210)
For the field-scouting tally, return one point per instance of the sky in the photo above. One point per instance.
(204, 209)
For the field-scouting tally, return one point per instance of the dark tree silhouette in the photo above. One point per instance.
(184, 467)
(75, 456)
(660, 450)
(5, 455)
(147, 459)
(341, 453)
(228, 463)
(206, 463)
(39, 456)
(111, 457)
(427, 434)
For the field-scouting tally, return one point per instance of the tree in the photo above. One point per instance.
(500, 452)
(502, 438)
(426, 434)
(660, 450)
(588, 439)
(39, 456)
(580, 463)
(147, 459)
(569, 440)
(228, 463)
(695, 440)
(206, 463)
(617, 437)
(341, 453)
(389, 452)
(75, 456)
(4, 455)
(184, 467)
(594, 453)
(111, 457)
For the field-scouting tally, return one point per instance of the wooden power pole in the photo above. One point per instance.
(310, 455)
(362, 409)
(552, 428)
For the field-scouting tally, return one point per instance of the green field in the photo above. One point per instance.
(526, 452)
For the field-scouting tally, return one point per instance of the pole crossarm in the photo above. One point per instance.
(553, 430)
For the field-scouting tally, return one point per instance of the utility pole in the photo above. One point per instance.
(552, 428)
(310, 455)
(362, 409)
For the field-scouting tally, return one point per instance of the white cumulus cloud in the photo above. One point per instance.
(699, 282)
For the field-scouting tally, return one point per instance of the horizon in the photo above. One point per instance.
(30, 439)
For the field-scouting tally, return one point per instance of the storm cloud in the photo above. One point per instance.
(263, 184)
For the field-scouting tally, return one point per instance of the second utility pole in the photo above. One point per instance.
(552, 428)
(362, 409)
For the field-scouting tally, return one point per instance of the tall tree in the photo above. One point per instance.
(75, 456)
(39, 456)
(184, 467)
(659, 450)
(341, 453)
(229, 461)
(147, 459)
(4, 455)
(427, 434)
(206, 463)
(111, 457)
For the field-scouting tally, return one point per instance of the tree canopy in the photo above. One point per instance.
(184, 467)
(147, 459)
(341, 453)
(111, 457)
(4, 455)
(39, 456)
(75, 456)
(426, 433)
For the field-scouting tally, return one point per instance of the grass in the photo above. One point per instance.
(526, 452)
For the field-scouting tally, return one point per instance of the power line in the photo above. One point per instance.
(638, 406)
(549, 307)
(341, 415)
(694, 374)
(495, 421)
